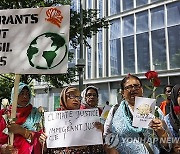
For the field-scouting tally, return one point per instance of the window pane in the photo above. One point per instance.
(159, 49)
(114, 6)
(174, 46)
(154, 0)
(100, 8)
(143, 52)
(115, 48)
(89, 59)
(115, 29)
(142, 22)
(128, 54)
(128, 25)
(100, 54)
(173, 14)
(127, 4)
(157, 18)
(141, 2)
(89, 4)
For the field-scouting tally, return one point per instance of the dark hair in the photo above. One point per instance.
(128, 77)
(107, 102)
(93, 89)
(170, 86)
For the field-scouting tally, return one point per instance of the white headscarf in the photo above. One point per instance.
(83, 94)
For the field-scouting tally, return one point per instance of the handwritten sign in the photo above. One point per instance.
(144, 109)
(72, 128)
(34, 40)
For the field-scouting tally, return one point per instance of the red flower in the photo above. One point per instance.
(176, 110)
(156, 82)
(151, 75)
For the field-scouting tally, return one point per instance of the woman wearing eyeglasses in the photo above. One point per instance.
(69, 100)
(90, 100)
(118, 130)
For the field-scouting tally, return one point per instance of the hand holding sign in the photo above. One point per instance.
(72, 128)
(143, 111)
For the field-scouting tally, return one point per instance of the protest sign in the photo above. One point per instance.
(144, 109)
(34, 40)
(72, 128)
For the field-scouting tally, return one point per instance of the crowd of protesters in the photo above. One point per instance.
(31, 139)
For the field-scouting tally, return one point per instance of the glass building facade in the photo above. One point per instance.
(143, 35)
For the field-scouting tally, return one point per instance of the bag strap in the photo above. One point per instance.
(146, 144)
(115, 108)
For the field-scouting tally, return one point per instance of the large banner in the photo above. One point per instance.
(72, 128)
(34, 40)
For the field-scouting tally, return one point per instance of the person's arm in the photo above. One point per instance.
(108, 122)
(42, 140)
(157, 125)
(7, 149)
(17, 129)
(108, 146)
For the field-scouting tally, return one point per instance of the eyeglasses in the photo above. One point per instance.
(168, 91)
(135, 86)
(89, 95)
(71, 96)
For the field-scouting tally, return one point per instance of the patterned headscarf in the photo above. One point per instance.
(21, 86)
(63, 96)
(27, 116)
(174, 120)
(84, 92)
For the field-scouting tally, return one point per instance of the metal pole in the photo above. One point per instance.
(81, 49)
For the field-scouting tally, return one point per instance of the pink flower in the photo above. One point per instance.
(176, 110)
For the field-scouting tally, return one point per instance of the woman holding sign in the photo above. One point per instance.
(26, 127)
(90, 100)
(69, 100)
(119, 132)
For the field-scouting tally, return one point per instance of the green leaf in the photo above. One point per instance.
(148, 87)
(156, 113)
(161, 95)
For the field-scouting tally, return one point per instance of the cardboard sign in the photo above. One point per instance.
(72, 128)
(34, 40)
(144, 109)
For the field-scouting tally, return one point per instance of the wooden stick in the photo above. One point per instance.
(14, 103)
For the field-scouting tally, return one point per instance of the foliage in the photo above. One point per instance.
(6, 83)
(91, 25)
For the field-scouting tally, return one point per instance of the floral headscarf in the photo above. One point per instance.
(83, 95)
(63, 97)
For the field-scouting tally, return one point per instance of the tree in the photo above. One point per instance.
(91, 25)
(6, 83)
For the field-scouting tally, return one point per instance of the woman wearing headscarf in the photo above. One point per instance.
(90, 98)
(26, 127)
(173, 118)
(118, 130)
(69, 100)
